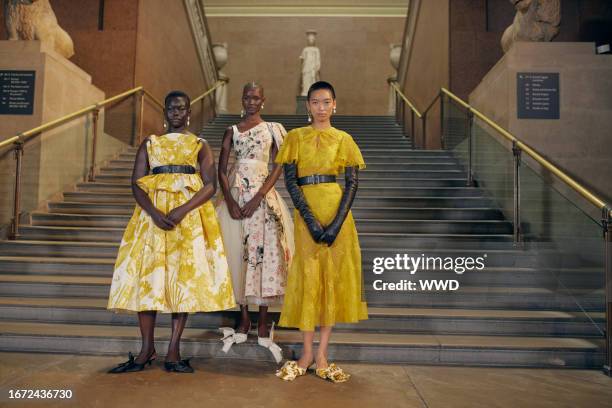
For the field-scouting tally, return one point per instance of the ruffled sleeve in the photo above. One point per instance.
(288, 152)
(278, 133)
(349, 154)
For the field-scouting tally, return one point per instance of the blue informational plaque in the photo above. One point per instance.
(17, 92)
(537, 95)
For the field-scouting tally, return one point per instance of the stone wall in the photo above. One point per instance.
(354, 55)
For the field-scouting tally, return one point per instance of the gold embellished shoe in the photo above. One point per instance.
(290, 371)
(333, 373)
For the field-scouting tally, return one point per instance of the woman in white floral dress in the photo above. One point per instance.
(255, 222)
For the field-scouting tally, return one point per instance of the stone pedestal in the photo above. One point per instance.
(60, 157)
(579, 141)
(300, 105)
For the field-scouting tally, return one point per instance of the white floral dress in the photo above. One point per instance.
(259, 248)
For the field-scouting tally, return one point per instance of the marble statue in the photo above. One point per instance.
(395, 52)
(35, 20)
(311, 62)
(535, 20)
(220, 52)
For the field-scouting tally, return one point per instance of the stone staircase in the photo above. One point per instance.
(55, 279)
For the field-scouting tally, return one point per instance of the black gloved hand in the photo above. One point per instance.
(351, 182)
(314, 226)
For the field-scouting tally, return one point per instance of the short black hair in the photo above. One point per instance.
(321, 85)
(177, 94)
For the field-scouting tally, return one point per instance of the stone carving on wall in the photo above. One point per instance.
(311, 62)
(35, 20)
(394, 56)
(535, 20)
(220, 52)
(199, 28)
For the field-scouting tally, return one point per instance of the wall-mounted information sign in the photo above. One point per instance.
(537, 95)
(17, 92)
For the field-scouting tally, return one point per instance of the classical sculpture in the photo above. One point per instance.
(395, 52)
(535, 20)
(311, 62)
(220, 52)
(35, 20)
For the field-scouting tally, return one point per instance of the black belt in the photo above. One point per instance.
(174, 168)
(316, 179)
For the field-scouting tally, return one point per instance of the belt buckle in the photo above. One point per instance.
(317, 180)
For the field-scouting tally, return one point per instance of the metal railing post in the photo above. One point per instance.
(141, 97)
(607, 230)
(94, 142)
(412, 135)
(17, 192)
(424, 130)
(203, 105)
(516, 230)
(469, 126)
(442, 130)
(397, 108)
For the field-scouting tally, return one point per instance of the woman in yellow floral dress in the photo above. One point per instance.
(324, 285)
(171, 257)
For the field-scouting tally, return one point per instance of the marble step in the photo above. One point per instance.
(382, 183)
(372, 239)
(378, 210)
(381, 320)
(66, 256)
(127, 167)
(501, 269)
(462, 226)
(366, 175)
(104, 189)
(120, 199)
(373, 163)
(520, 298)
(511, 351)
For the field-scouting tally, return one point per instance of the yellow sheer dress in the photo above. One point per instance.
(324, 286)
(181, 270)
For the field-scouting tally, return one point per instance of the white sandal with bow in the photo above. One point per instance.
(268, 342)
(230, 337)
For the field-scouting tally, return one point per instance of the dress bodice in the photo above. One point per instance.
(320, 151)
(254, 144)
(173, 148)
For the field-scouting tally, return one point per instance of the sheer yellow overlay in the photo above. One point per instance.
(324, 285)
(182, 270)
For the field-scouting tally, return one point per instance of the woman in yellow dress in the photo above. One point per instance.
(324, 286)
(171, 258)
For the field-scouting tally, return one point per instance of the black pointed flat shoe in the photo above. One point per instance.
(182, 366)
(132, 366)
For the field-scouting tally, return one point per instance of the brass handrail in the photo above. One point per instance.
(22, 137)
(401, 94)
(154, 99)
(202, 96)
(583, 191)
(17, 141)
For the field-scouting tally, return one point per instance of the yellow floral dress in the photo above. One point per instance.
(181, 270)
(324, 286)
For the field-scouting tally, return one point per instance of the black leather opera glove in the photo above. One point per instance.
(351, 182)
(299, 201)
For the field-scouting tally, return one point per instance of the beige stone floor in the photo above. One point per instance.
(237, 384)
